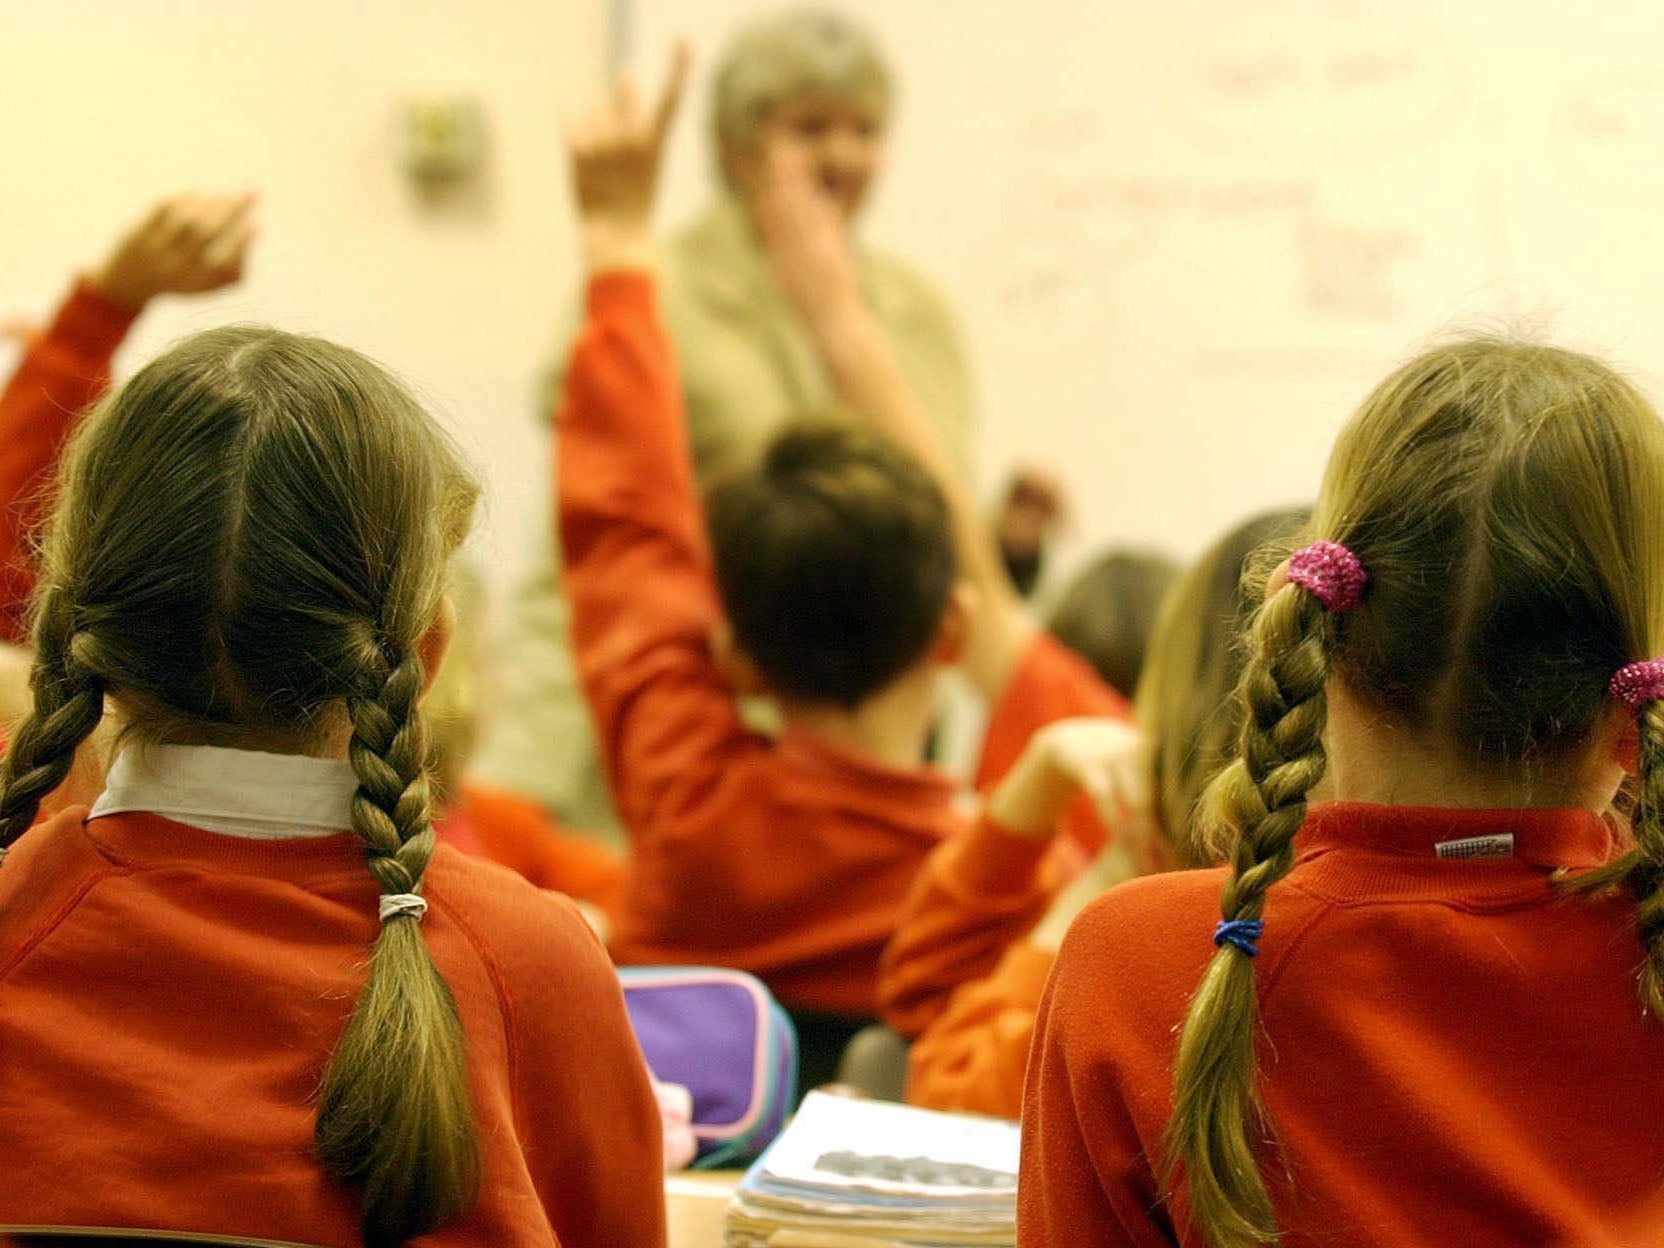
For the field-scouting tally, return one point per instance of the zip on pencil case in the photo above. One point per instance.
(720, 1034)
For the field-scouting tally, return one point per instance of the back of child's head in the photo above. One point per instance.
(1184, 703)
(1108, 613)
(1506, 502)
(835, 560)
(248, 547)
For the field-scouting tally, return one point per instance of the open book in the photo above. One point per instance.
(855, 1174)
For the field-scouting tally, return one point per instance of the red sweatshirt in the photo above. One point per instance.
(63, 371)
(977, 894)
(169, 998)
(985, 889)
(787, 858)
(1451, 1052)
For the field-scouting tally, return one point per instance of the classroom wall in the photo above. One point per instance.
(107, 104)
(1185, 237)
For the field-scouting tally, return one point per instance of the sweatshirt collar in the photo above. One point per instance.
(922, 797)
(243, 793)
(1551, 838)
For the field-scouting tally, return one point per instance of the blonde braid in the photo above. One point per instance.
(1641, 870)
(1647, 872)
(1216, 1111)
(68, 706)
(393, 1111)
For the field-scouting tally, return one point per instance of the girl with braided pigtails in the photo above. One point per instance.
(246, 567)
(1430, 1010)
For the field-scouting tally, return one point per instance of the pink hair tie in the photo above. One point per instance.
(1331, 573)
(1636, 684)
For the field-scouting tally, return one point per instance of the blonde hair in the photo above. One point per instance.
(1507, 501)
(1184, 703)
(248, 546)
(452, 706)
(799, 52)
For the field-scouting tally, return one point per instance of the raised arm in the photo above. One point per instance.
(186, 244)
(809, 249)
(637, 565)
(989, 887)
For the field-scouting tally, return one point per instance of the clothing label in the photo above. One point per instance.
(1500, 846)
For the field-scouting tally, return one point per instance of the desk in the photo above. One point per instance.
(695, 1201)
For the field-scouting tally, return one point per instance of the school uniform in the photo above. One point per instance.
(787, 857)
(975, 896)
(1451, 1050)
(746, 365)
(177, 965)
(957, 976)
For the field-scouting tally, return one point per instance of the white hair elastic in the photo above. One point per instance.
(403, 905)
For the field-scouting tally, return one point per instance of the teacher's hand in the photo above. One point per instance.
(805, 238)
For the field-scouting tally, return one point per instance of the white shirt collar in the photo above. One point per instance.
(238, 792)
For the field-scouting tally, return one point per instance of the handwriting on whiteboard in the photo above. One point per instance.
(1336, 88)
(1611, 134)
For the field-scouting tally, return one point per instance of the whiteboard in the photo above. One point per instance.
(1184, 239)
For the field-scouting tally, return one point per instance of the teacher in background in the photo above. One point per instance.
(814, 78)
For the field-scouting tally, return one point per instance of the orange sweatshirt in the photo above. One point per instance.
(1450, 1051)
(986, 888)
(976, 895)
(62, 371)
(169, 998)
(787, 858)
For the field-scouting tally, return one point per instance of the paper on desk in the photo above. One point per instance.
(836, 1144)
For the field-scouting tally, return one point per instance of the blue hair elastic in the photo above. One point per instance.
(1239, 932)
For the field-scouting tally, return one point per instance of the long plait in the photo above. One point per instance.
(68, 705)
(1639, 687)
(1216, 1108)
(1647, 877)
(393, 1111)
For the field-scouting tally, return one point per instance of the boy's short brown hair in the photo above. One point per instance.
(834, 557)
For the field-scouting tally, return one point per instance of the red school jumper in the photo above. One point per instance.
(169, 998)
(959, 975)
(788, 858)
(63, 370)
(1451, 1051)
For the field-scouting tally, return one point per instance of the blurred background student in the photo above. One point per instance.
(746, 360)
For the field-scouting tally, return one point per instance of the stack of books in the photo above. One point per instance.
(870, 1174)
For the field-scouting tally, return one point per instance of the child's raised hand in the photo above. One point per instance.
(804, 235)
(1103, 758)
(615, 156)
(186, 244)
